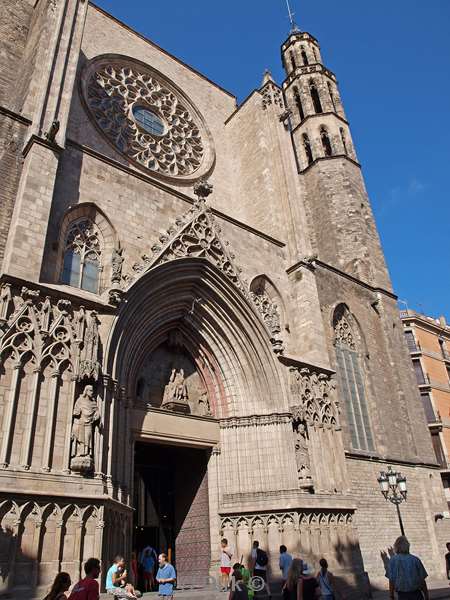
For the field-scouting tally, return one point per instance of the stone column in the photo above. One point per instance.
(8, 430)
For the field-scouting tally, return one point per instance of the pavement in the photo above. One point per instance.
(439, 590)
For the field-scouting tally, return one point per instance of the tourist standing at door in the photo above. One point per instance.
(87, 588)
(225, 563)
(260, 561)
(165, 577)
(148, 566)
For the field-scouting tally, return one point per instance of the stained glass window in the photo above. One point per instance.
(150, 122)
(82, 256)
(351, 379)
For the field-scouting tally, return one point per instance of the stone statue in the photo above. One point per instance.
(204, 408)
(175, 393)
(116, 262)
(86, 416)
(302, 454)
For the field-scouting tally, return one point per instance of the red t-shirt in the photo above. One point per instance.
(85, 589)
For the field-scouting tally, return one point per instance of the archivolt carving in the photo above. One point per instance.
(114, 87)
(197, 234)
(48, 332)
(315, 394)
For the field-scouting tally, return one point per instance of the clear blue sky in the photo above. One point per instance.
(392, 60)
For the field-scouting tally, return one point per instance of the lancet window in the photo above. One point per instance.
(304, 58)
(82, 256)
(326, 144)
(307, 147)
(315, 97)
(298, 103)
(293, 65)
(344, 143)
(330, 90)
(351, 379)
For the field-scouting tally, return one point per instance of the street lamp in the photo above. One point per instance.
(393, 488)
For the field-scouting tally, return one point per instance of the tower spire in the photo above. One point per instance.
(294, 28)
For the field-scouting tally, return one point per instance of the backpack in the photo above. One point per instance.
(261, 557)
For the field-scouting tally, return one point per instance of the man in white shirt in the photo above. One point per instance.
(225, 563)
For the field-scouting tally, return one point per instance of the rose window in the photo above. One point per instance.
(146, 117)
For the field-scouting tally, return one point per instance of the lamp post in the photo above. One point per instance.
(393, 488)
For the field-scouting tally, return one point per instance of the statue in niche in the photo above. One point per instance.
(86, 417)
(204, 408)
(302, 454)
(176, 394)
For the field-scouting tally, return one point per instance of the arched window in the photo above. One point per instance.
(315, 54)
(326, 144)
(82, 256)
(330, 90)
(351, 379)
(315, 97)
(293, 65)
(307, 147)
(298, 103)
(344, 143)
(304, 57)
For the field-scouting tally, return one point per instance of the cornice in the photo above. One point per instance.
(14, 116)
(310, 69)
(321, 158)
(320, 115)
(319, 263)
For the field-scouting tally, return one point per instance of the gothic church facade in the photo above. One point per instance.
(198, 333)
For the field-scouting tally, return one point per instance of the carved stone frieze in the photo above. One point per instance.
(40, 329)
(292, 520)
(314, 393)
(255, 420)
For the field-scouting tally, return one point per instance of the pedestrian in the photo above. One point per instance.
(60, 585)
(225, 563)
(148, 566)
(293, 578)
(260, 561)
(309, 588)
(134, 568)
(406, 573)
(447, 561)
(87, 588)
(116, 580)
(326, 581)
(238, 589)
(165, 577)
(285, 562)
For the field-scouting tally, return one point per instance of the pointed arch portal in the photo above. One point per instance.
(187, 314)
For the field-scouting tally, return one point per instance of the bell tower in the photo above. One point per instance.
(342, 226)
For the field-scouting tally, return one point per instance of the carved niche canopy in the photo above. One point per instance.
(146, 117)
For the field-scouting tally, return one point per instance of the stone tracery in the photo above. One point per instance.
(116, 88)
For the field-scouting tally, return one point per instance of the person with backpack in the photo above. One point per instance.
(260, 560)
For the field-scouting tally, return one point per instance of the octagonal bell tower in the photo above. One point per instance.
(343, 229)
